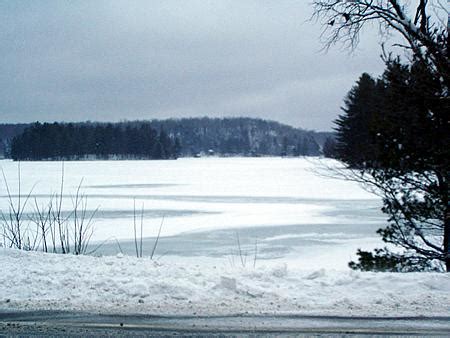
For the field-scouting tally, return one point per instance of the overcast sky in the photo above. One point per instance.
(116, 60)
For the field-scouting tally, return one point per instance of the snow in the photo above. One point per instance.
(307, 228)
(193, 194)
(127, 285)
(208, 200)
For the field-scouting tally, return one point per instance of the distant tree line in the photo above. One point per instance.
(240, 136)
(80, 141)
(7, 132)
(159, 139)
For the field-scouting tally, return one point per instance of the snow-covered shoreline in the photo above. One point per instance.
(127, 285)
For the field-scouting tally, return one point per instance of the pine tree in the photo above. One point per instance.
(398, 146)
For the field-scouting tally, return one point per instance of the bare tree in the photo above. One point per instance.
(422, 27)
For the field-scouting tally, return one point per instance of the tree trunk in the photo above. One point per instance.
(447, 238)
(447, 172)
(443, 179)
(447, 225)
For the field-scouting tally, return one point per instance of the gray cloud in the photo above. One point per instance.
(112, 60)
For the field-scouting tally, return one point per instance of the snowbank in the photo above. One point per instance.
(126, 285)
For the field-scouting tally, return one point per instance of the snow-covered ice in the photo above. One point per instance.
(206, 201)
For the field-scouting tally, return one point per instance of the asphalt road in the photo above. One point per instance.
(73, 324)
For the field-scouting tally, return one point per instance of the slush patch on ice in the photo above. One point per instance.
(312, 235)
(132, 186)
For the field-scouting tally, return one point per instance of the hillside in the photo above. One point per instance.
(201, 136)
(7, 132)
(245, 136)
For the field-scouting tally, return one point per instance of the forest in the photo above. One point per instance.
(158, 139)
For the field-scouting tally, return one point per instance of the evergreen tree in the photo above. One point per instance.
(398, 146)
(329, 148)
(68, 141)
(353, 126)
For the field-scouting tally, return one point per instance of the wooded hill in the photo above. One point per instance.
(159, 139)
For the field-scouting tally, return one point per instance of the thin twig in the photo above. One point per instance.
(157, 238)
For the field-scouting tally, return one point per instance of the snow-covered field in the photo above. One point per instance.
(303, 227)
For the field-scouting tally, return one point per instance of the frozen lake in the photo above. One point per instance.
(293, 214)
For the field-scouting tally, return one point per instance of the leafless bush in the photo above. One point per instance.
(47, 228)
(139, 237)
(16, 231)
(82, 223)
(243, 254)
